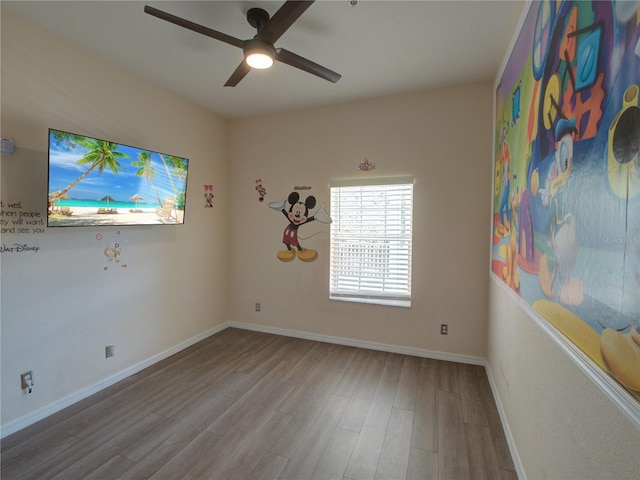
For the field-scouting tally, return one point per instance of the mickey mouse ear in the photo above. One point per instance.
(293, 197)
(310, 202)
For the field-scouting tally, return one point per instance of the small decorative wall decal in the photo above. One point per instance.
(366, 165)
(208, 196)
(262, 192)
(113, 251)
(298, 215)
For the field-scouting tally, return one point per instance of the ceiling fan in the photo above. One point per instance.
(261, 47)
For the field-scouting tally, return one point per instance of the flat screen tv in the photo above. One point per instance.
(95, 182)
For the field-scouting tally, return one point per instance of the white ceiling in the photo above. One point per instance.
(380, 47)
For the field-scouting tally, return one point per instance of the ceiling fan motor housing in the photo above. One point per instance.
(258, 46)
(257, 18)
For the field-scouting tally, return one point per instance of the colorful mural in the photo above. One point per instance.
(566, 209)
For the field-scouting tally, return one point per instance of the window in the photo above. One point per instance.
(371, 241)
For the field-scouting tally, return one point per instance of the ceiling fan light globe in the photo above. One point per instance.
(259, 60)
(258, 54)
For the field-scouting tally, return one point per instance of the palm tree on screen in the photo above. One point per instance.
(101, 155)
(147, 171)
(175, 166)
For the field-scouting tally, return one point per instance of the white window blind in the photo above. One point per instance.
(371, 241)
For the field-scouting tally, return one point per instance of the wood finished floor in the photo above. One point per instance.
(249, 405)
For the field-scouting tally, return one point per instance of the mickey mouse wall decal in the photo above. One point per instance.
(298, 215)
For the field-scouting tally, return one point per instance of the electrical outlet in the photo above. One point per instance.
(444, 329)
(257, 307)
(109, 351)
(26, 380)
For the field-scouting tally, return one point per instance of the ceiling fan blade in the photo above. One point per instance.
(290, 58)
(282, 20)
(238, 74)
(236, 42)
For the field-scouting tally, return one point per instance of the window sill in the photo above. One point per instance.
(388, 302)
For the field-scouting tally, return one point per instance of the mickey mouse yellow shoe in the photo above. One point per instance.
(307, 255)
(286, 255)
(622, 355)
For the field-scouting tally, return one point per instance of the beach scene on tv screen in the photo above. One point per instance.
(95, 182)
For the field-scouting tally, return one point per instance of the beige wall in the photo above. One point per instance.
(59, 306)
(563, 425)
(443, 138)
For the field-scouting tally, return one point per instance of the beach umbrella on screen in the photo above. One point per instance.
(107, 198)
(136, 198)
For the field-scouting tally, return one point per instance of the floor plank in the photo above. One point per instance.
(242, 450)
(112, 469)
(394, 457)
(453, 459)
(483, 461)
(269, 467)
(364, 460)
(35, 451)
(473, 407)
(408, 384)
(425, 421)
(336, 455)
(191, 460)
(251, 405)
(312, 445)
(423, 465)
(170, 448)
(364, 390)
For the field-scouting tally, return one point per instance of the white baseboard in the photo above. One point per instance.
(517, 462)
(43, 412)
(350, 342)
